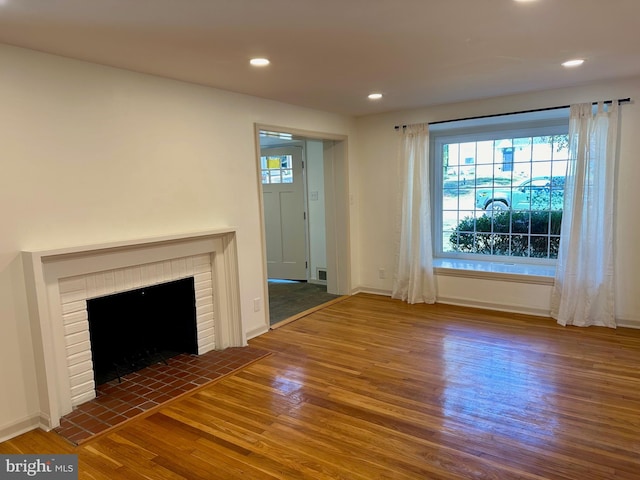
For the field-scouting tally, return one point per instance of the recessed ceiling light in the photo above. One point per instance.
(259, 62)
(573, 63)
(375, 96)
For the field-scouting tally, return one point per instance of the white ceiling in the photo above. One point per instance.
(329, 54)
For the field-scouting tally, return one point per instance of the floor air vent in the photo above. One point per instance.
(322, 274)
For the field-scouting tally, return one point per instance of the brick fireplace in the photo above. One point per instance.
(59, 283)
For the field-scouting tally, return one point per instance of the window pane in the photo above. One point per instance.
(520, 222)
(519, 246)
(275, 176)
(485, 153)
(483, 243)
(450, 195)
(273, 162)
(539, 246)
(560, 147)
(522, 149)
(542, 149)
(554, 246)
(450, 241)
(501, 222)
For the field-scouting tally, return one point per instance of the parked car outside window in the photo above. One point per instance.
(538, 193)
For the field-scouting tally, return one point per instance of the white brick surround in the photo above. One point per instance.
(59, 282)
(75, 291)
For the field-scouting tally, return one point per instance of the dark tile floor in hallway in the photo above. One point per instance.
(288, 298)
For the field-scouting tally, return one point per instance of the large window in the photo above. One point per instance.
(500, 187)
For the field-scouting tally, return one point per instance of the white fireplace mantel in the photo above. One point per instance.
(45, 269)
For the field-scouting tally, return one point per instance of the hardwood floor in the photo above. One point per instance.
(373, 388)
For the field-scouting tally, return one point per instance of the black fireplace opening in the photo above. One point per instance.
(132, 330)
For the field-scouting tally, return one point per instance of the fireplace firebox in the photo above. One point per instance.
(131, 330)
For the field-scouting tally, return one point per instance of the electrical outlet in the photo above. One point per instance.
(382, 274)
(257, 304)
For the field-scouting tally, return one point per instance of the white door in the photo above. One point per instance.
(284, 212)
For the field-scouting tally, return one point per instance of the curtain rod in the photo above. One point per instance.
(607, 102)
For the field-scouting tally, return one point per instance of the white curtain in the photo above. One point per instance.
(583, 293)
(414, 281)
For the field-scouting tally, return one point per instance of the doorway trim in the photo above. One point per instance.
(337, 206)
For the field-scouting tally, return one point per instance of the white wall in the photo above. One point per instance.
(315, 202)
(377, 186)
(93, 154)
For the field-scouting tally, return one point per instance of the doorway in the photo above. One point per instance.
(304, 225)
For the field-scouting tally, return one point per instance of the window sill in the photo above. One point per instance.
(509, 272)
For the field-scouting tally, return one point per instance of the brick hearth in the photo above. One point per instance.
(148, 388)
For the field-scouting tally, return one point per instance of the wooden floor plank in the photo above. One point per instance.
(371, 387)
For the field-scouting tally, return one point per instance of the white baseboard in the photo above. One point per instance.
(373, 291)
(498, 307)
(256, 332)
(13, 429)
(538, 312)
(628, 323)
(461, 302)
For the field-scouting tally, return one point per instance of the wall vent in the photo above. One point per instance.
(322, 274)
